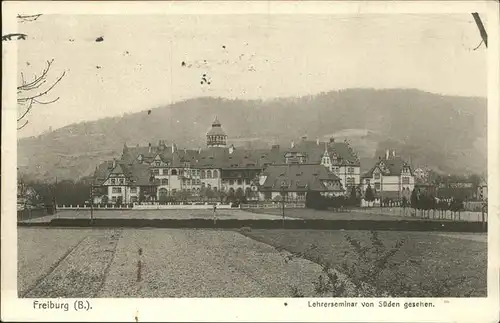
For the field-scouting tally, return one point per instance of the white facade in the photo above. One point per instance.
(395, 185)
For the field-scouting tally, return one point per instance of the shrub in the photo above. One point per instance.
(245, 230)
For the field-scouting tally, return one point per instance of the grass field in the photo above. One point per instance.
(158, 214)
(442, 259)
(223, 263)
(330, 215)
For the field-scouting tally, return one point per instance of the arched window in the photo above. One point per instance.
(215, 174)
(209, 174)
(164, 181)
(203, 174)
(174, 172)
(163, 191)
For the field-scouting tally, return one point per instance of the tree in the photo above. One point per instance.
(210, 194)
(239, 194)
(142, 195)
(353, 197)
(163, 198)
(119, 201)
(414, 199)
(404, 202)
(369, 196)
(34, 91)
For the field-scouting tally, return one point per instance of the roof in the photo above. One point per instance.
(298, 177)
(393, 166)
(216, 129)
(138, 174)
(341, 153)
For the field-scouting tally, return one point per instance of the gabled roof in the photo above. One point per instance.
(297, 177)
(393, 166)
(315, 150)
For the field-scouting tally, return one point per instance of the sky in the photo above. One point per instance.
(139, 63)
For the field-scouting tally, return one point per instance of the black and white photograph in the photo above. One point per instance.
(320, 158)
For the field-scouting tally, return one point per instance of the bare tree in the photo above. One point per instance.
(34, 91)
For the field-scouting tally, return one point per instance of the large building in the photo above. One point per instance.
(391, 178)
(156, 172)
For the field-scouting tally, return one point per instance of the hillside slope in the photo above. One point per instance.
(445, 132)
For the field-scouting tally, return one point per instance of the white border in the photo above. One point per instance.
(256, 309)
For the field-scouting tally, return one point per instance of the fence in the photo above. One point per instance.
(467, 216)
(273, 206)
(147, 206)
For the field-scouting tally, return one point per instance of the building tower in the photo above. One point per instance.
(216, 137)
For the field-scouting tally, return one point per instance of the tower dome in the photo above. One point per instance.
(216, 137)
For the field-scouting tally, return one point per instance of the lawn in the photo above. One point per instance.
(165, 214)
(436, 265)
(308, 214)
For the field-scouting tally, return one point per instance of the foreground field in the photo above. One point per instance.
(154, 263)
(446, 265)
(221, 263)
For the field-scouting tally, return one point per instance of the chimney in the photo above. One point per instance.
(199, 150)
(161, 144)
(394, 153)
(387, 154)
(114, 163)
(293, 144)
(174, 148)
(231, 149)
(149, 147)
(317, 141)
(332, 140)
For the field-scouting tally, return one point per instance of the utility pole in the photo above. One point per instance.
(91, 203)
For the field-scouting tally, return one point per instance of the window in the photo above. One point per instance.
(203, 174)
(174, 172)
(198, 181)
(377, 176)
(156, 171)
(367, 181)
(116, 190)
(350, 170)
(121, 180)
(209, 174)
(193, 172)
(133, 199)
(113, 181)
(301, 195)
(350, 181)
(231, 182)
(164, 181)
(267, 195)
(133, 190)
(247, 181)
(113, 198)
(406, 180)
(216, 173)
(157, 163)
(377, 186)
(240, 182)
